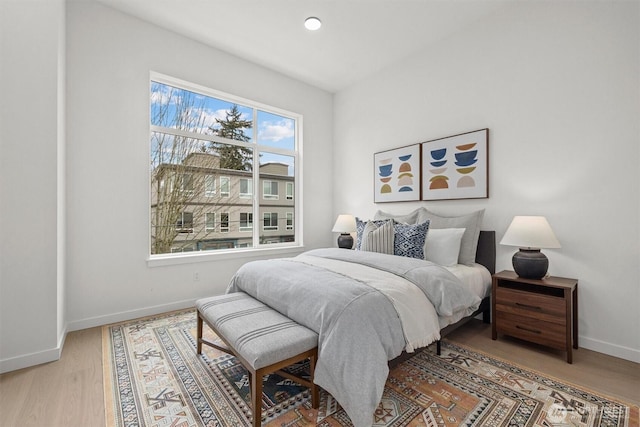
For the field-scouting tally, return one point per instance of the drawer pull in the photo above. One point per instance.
(535, 331)
(534, 307)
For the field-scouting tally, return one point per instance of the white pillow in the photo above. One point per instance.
(470, 222)
(443, 245)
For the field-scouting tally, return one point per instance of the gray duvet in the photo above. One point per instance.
(359, 329)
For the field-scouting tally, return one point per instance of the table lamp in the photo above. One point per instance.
(530, 234)
(345, 224)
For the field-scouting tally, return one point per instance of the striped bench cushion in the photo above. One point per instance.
(260, 334)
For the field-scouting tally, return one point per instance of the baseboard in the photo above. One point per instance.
(32, 359)
(611, 349)
(122, 316)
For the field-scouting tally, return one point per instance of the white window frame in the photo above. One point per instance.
(225, 186)
(249, 194)
(249, 221)
(289, 216)
(270, 195)
(290, 247)
(270, 227)
(180, 224)
(227, 227)
(289, 190)
(213, 221)
(209, 185)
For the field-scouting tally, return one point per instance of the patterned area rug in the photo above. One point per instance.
(153, 377)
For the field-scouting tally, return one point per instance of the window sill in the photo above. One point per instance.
(220, 255)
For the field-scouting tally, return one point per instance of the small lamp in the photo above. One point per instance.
(530, 233)
(344, 225)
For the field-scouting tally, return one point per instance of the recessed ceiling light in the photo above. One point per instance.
(312, 23)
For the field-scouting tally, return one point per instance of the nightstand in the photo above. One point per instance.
(541, 311)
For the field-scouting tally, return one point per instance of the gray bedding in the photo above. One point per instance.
(359, 329)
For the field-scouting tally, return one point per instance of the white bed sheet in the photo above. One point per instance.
(476, 277)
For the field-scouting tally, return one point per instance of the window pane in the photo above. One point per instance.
(210, 185)
(177, 108)
(276, 177)
(276, 131)
(202, 187)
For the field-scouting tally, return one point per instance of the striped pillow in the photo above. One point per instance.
(378, 238)
(360, 229)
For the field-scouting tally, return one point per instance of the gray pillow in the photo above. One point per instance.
(378, 238)
(470, 222)
(410, 218)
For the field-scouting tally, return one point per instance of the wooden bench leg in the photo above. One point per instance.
(315, 394)
(199, 335)
(255, 382)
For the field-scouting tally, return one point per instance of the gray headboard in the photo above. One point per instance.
(486, 252)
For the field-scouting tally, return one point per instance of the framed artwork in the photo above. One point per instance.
(397, 174)
(456, 167)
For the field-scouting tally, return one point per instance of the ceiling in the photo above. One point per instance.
(357, 38)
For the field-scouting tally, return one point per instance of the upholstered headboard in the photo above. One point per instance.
(486, 251)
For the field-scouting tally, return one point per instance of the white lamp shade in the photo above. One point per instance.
(530, 232)
(345, 224)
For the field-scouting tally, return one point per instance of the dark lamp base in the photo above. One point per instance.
(530, 263)
(345, 241)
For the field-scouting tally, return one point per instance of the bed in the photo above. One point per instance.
(369, 308)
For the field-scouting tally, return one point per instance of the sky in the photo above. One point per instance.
(178, 108)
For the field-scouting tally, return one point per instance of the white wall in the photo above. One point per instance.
(109, 57)
(558, 85)
(96, 272)
(32, 275)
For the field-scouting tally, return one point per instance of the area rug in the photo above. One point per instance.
(153, 377)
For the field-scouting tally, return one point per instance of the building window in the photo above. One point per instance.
(186, 183)
(246, 221)
(210, 221)
(246, 188)
(224, 222)
(184, 224)
(209, 185)
(270, 221)
(289, 220)
(207, 149)
(225, 186)
(289, 190)
(270, 190)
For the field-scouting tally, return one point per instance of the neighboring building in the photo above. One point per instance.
(197, 206)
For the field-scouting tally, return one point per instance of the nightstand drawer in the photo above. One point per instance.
(543, 311)
(530, 304)
(538, 331)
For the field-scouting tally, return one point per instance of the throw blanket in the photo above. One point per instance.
(358, 325)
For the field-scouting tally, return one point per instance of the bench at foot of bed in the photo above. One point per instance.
(263, 340)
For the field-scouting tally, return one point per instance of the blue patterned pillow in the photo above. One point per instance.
(360, 224)
(409, 239)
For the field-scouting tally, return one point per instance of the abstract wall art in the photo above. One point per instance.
(456, 167)
(397, 174)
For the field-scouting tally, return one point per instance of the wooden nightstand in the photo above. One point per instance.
(541, 311)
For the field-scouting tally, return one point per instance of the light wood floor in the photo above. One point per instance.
(69, 392)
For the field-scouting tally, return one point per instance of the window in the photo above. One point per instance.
(186, 183)
(270, 221)
(246, 221)
(224, 222)
(270, 190)
(185, 222)
(289, 190)
(289, 220)
(209, 185)
(210, 221)
(246, 188)
(207, 150)
(224, 186)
